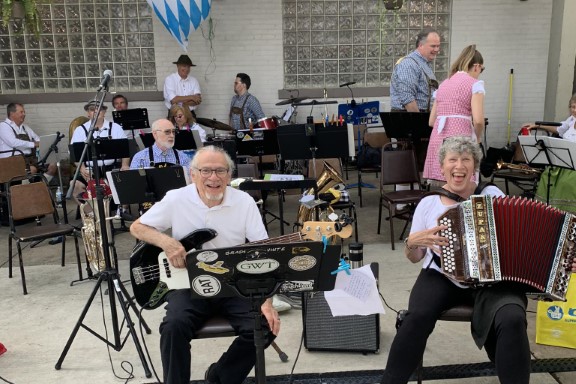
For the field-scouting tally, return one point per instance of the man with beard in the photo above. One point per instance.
(208, 201)
(244, 106)
(161, 154)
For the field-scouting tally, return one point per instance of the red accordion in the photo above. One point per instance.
(515, 239)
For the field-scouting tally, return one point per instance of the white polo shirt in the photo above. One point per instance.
(237, 218)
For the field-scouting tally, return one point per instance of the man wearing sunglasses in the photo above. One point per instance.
(413, 79)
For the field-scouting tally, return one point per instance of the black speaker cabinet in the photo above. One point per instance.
(323, 332)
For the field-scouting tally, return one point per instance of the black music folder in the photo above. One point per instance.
(290, 267)
(106, 149)
(144, 185)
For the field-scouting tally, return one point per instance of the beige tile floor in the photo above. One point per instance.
(34, 328)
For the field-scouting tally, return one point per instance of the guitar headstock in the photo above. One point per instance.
(314, 230)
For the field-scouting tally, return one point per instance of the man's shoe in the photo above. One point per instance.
(210, 375)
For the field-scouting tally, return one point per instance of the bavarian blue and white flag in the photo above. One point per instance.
(181, 16)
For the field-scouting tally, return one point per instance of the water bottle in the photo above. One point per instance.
(59, 197)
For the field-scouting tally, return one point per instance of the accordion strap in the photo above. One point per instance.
(479, 188)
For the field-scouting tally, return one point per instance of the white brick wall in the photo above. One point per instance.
(248, 38)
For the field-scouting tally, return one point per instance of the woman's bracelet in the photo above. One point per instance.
(409, 247)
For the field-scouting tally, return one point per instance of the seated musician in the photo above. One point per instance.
(499, 319)
(16, 136)
(103, 129)
(244, 105)
(234, 215)
(562, 180)
(182, 119)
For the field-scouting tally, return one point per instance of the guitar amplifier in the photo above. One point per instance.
(323, 332)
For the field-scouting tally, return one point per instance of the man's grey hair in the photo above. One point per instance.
(460, 145)
(423, 35)
(212, 148)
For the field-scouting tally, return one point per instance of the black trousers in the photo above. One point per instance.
(185, 315)
(507, 343)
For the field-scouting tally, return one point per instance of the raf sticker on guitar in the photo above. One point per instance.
(207, 256)
(206, 285)
(216, 268)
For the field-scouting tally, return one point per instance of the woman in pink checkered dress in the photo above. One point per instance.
(458, 108)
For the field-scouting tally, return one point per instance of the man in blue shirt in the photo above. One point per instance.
(161, 153)
(413, 79)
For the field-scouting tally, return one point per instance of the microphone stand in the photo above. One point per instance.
(110, 275)
(352, 101)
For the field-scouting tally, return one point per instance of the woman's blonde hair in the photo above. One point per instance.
(185, 111)
(467, 59)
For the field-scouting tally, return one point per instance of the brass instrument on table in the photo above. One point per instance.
(524, 168)
(328, 179)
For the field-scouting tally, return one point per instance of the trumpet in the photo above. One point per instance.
(524, 168)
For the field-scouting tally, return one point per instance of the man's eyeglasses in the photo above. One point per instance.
(207, 172)
(168, 131)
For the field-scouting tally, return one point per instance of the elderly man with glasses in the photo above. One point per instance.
(161, 154)
(104, 129)
(233, 214)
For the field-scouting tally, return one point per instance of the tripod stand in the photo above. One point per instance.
(110, 275)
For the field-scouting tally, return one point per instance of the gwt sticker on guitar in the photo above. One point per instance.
(272, 262)
(153, 276)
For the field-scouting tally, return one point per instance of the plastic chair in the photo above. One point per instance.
(398, 167)
(34, 200)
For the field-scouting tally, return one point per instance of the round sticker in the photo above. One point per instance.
(302, 263)
(206, 285)
(207, 256)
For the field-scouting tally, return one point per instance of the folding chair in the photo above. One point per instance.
(34, 200)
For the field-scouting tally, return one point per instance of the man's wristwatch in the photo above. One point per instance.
(407, 246)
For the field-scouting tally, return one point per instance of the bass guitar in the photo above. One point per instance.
(153, 276)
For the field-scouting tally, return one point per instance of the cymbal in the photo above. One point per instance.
(213, 123)
(316, 102)
(292, 100)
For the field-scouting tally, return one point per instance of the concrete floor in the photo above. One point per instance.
(35, 328)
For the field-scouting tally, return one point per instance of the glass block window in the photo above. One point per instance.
(80, 39)
(330, 42)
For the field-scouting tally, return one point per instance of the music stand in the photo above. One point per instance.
(106, 149)
(131, 119)
(548, 151)
(258, 142)
(412, 126)
(299, 142)
(256, 272)
(137, 186)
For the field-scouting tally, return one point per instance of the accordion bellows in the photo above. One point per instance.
(514, 239)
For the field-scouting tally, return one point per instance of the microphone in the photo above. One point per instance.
(105, 80)
(347, 84)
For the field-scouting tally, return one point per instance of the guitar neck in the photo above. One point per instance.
(290, 238)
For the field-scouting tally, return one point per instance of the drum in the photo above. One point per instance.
(267, 123)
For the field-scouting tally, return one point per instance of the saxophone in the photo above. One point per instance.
(91, 233)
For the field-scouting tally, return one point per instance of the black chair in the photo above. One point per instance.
(12, 169)
(34, 200)
(372, 139)
(398, 167)
(219, 326)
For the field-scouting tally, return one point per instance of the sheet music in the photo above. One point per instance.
(281, 177)
(544, 150)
